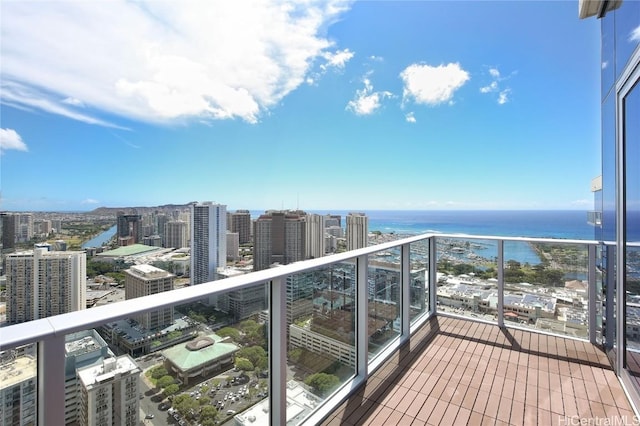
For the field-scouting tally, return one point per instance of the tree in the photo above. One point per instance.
(158, 372)
(256, 354)
(186, 405)
(229, 332)
(322, 383)
(244, 364)
(204, 401)
(164, 381)
(172, 389)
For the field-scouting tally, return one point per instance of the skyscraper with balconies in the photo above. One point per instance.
(18, 389)
(129, 229)
(315, 241)
(43, 283)
(208, 241)
(8, 231)
(143, 280)
(176, 234)
(109, 393)
(240, 222)
(357, 230)
(279, 237)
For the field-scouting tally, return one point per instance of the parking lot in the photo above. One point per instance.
(230, 393)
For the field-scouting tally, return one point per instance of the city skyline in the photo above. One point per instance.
(349, 106)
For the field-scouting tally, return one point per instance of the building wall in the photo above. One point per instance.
(44, 283)
(176, 234)
(315, 241)
(620, 197)
(109, 393)
(279, 237)
(18, 390)
(240, 222)
(143, 280)
(357, 230)
(208, 241)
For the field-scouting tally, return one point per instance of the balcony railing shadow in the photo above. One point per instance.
(455, 371)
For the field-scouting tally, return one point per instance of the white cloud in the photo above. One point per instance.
(73, 101)
(432, 85)
(635, 34)
(495, 86)
(89, 201)
(490, 88)
(158, 61)
(410, 117)
(376, 58)
(503, 97)
(366, 100)
(10, 139)
(337, 59)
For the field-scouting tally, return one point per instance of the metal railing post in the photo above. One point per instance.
(500, 306)
(51, 380)
(433, 276)
(593, 297)
(405, 293)
(278, 351)
(362, 314)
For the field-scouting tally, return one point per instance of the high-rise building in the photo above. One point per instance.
(82, 349)
(240, 222)
(109, 393)
(176, 234)
(233, 246)
(143, 280)
(18, 389)
(279, 237)
(333, 220)
(315, 241)
(129, 229)
(43, 283)
(24, 227)
(245, 302)
(8, 231)
(208, 241)
(161, 221)
(357, 230)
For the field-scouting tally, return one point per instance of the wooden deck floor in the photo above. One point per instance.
(456, 372)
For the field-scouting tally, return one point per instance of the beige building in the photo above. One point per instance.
(109, 393)
(143, 280)
(357, 230)
(43, 283)
(18, 389)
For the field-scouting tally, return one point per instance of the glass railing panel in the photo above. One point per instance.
(383, 299)
(418, 279)
(235, 377)
(196, 363)
(632, 312)
(600, 295)
(19, 386)
(467, 277)
(321, 336)
(546, 287)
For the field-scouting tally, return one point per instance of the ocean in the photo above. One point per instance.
(567, 224)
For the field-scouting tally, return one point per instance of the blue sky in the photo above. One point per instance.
(334, 105)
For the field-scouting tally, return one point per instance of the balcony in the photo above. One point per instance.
(431, 329)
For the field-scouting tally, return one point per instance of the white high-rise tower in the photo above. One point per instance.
(208, 241)
(43, 283)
